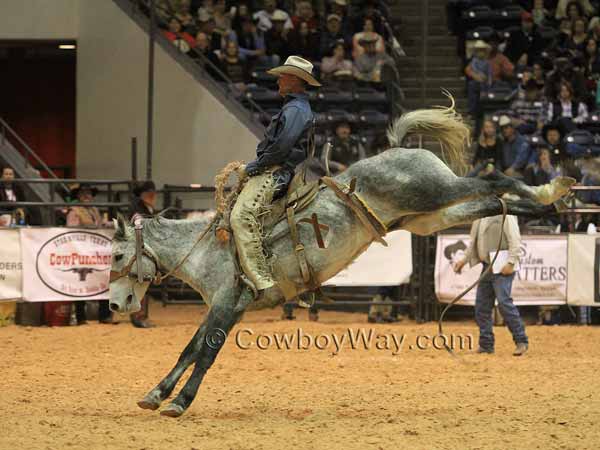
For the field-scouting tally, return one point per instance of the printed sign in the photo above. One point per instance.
(540, 280)
(379, 265)
(10, 265)
(66, 265)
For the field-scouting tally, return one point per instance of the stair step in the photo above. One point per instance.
(433, 92)
(450, 60)
(446, 82)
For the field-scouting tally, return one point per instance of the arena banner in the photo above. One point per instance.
(65, 264)
(379, 265)
(584, 270)
(10, 265)
(541, 278)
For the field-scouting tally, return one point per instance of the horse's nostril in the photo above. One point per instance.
(129, 299)
(114, 307)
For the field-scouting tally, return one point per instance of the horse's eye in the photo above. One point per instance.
(119, 257)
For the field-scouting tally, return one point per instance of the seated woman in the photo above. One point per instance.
(336, 65)
(566, 109)
(368, 33)
(233, 66)
(542, 172)
(576, 42)
(488, 149)
(592, 60)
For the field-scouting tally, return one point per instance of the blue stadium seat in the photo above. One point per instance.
(373, 118)
(262, 78)
(263, 96)
(510, 13)
(478, 13)
(366, 98)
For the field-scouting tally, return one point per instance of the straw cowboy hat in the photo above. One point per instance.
(298, 67)
(481, 44)
(278, 16)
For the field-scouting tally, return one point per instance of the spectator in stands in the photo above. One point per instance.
(183, 41)
(306, 14)
(304, 42)
(368, 33)
(206, 24)
(222, 19)
(592, 60)
(340, 8)
(367, 67)
(336, 65)
(276, 38)
(516, 152)
(206, 10)
(202, 47)
(188, 24)
(526, 75)
(524, 45)
(502, 68)
(233, 66)
(144, 205)
(488, 149)
(373, 11)
(239, 12)
(10, 192)
(552, 136)
(84, 216)
(530, 111)
(331, 35)
(577, 41)
(564, 73)
(479, 73)
(566, 109)
(539, 13)
(573, 8)
(265, 16)
(542, 172)
(594, 28)
(346, 149)
(251, 43)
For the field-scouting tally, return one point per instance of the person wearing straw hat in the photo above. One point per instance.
(479, 73)
(284, 146)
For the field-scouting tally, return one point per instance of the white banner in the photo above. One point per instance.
(379, 265)
(10, 265)
(540, 280)
(65, 264)
(584, 270)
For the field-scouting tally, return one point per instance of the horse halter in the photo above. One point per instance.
(141, 250)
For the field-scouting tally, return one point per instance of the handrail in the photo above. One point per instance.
(227, 89)
(6, 126)
(69, 180)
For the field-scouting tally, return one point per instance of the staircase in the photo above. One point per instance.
(443, 66)
(12, 153)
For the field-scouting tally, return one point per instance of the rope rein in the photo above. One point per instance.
(467, 290)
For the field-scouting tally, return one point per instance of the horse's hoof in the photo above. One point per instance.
(557, 188)
(172, 410)
(150, 401)
(147, 404)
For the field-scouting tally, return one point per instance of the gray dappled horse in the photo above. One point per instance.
(410, 189)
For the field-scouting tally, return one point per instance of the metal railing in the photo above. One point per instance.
(112, 203)
(24, 149)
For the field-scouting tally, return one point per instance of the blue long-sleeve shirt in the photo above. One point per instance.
(516, 154)
(285, 141)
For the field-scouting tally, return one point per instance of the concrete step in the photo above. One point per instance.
(446, 82)
(448, 60)
(433, 92)
(418, 19)
(416, 103)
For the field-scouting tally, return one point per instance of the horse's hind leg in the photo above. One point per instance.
(466, 213)
(225, 311)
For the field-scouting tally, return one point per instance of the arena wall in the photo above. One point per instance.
(39, 19)
(195, 135)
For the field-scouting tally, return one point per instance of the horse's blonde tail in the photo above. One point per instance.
(441, 123)
(223, 202)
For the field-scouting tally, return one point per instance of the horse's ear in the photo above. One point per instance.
(120, 227)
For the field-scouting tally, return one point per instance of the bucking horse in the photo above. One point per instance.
(401, 188)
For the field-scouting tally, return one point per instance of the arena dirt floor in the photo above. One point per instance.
(77, 387)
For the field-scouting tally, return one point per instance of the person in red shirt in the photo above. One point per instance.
(306, 13)
(502, 68)
(183, 41)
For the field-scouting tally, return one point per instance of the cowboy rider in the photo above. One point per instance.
(284, 146)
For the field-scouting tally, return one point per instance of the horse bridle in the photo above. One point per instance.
(141, 250)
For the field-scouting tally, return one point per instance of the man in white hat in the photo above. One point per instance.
(266, 16)
(479, 75)
(284, 146)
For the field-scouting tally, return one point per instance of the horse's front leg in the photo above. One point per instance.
(225, 311)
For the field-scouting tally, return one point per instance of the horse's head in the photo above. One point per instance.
(133, 267)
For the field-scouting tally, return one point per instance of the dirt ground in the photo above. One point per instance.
(77, 387)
